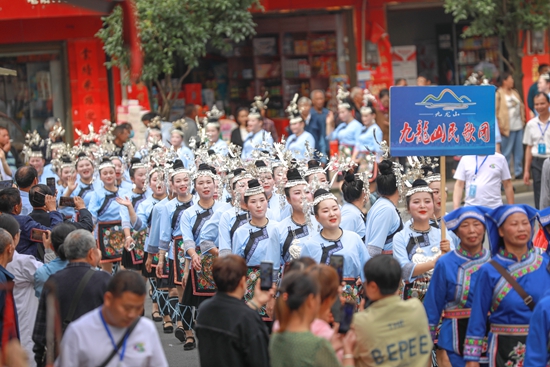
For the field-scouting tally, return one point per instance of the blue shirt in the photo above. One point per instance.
(136, 199)
(536, 351)
(103, 205)
(43, 273)
(210, 230)
(297, 144)
(84, 191)
(152, 221)
(347, 134)
(252, 141)
(193, 221)
(383, 220)
(26, 207)
(187, 157)
(366, 140)
(349, 245)
(262, 243)
(170, 226)
(291, 233)
(274, 205)
(46, 173)
(220, 147)
(316, 125)
(353, 219)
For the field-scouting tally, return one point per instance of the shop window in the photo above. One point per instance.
(36, 93)
(535, 42)
(372, 56)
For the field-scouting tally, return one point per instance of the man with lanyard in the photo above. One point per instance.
(120, 337)
(537, 138)
(482, 177)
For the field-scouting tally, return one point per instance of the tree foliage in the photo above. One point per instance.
(507, 19)
(177, 29)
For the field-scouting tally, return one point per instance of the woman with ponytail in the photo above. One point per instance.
(384, 220)
(294, 344)
(353, 211)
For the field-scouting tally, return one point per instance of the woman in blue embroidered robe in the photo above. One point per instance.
(257, 138)
(510, 229)
(450, 292)
(191, 224)
(169, 228)
(418, 246)
(332, 240)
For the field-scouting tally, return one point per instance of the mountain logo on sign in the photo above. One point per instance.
(447, 100)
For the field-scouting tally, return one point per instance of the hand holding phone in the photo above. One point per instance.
(36, 235)
(346, 316)
(5, 184)
(50, 182)
(66, 201)
(266, 275)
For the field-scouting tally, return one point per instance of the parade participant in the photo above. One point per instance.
(85, 170)
(453, 281)
(106, 213)
(170, 233)
(296, 309)
(347, 132)
(34, 156)
(147, 211)
(234, 218)
(257, 239)
(128, 208)
(265, 176)
(300, 140)
(333, 240)
(390, 332)
(537, 139)
(383, 220)
(55, 241)
(64, 168)
(257, 136)
(510, 229)
(315, 173)
(226, 325)
(118, 319)
(212, 131)
(353, 211)
(367, 140)
(177, 140)
(536, 346)
(120, 172)
(202, 256)
(279, 173)
(418, 246)
(295, 228)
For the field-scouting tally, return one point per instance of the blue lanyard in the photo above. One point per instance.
(481, 165)
(543, 132)
(123, 348)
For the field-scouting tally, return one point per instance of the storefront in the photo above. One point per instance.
(59, 64)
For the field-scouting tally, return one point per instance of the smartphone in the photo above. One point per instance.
(36, 234)
(337, 262)
(50, 182)
(346, 316)
(266, 275)
(336, 310)
(5, 184)
(66, 201)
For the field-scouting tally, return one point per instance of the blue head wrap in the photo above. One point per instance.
(496, 217)
(456, 217)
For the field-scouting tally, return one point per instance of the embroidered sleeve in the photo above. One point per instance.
(188, 244)
(207, 246)
(433, 332)
(224, 252)
(373, 250)
(473, 347)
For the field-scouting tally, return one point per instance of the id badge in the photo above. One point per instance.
(473, 190)
(542, 148)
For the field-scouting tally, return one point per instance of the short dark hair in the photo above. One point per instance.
(24, 176)
(9, 223)
(542, 66)
(9, 198)
(383, 93)
(119, 129)
(58, 235)
(247, 198)
(505, 75)
(2, 127)
(385, 271)
(37, 195)
(126, 281)
(399, 80)
(542, 94)
(5, 240)
(228, 272)
(149, 116)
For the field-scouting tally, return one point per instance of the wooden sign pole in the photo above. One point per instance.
(443, 193)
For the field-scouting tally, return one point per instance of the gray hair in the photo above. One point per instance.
(355, 91)
(5, 240)
(303, 101)
(77, 244)
(317, 91)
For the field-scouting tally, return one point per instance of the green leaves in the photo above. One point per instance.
(171, 29)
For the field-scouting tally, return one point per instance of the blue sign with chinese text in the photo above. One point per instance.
(442, 120)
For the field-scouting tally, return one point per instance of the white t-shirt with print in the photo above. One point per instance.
(490, 176)
(87, 344)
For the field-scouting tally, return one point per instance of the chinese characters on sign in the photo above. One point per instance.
(442, 121)
(39, 2)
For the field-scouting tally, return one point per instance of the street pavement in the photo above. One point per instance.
(173, 348)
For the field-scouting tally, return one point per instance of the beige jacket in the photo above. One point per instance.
(503, 117)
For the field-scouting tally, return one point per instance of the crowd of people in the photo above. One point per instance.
(268, 252)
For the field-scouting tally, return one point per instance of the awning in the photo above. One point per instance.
(4, 71)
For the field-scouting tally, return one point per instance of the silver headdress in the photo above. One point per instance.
(258, 105)
(342, 97)
(293, 111)
(323, 197)
(418, 189)
(33, 146)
